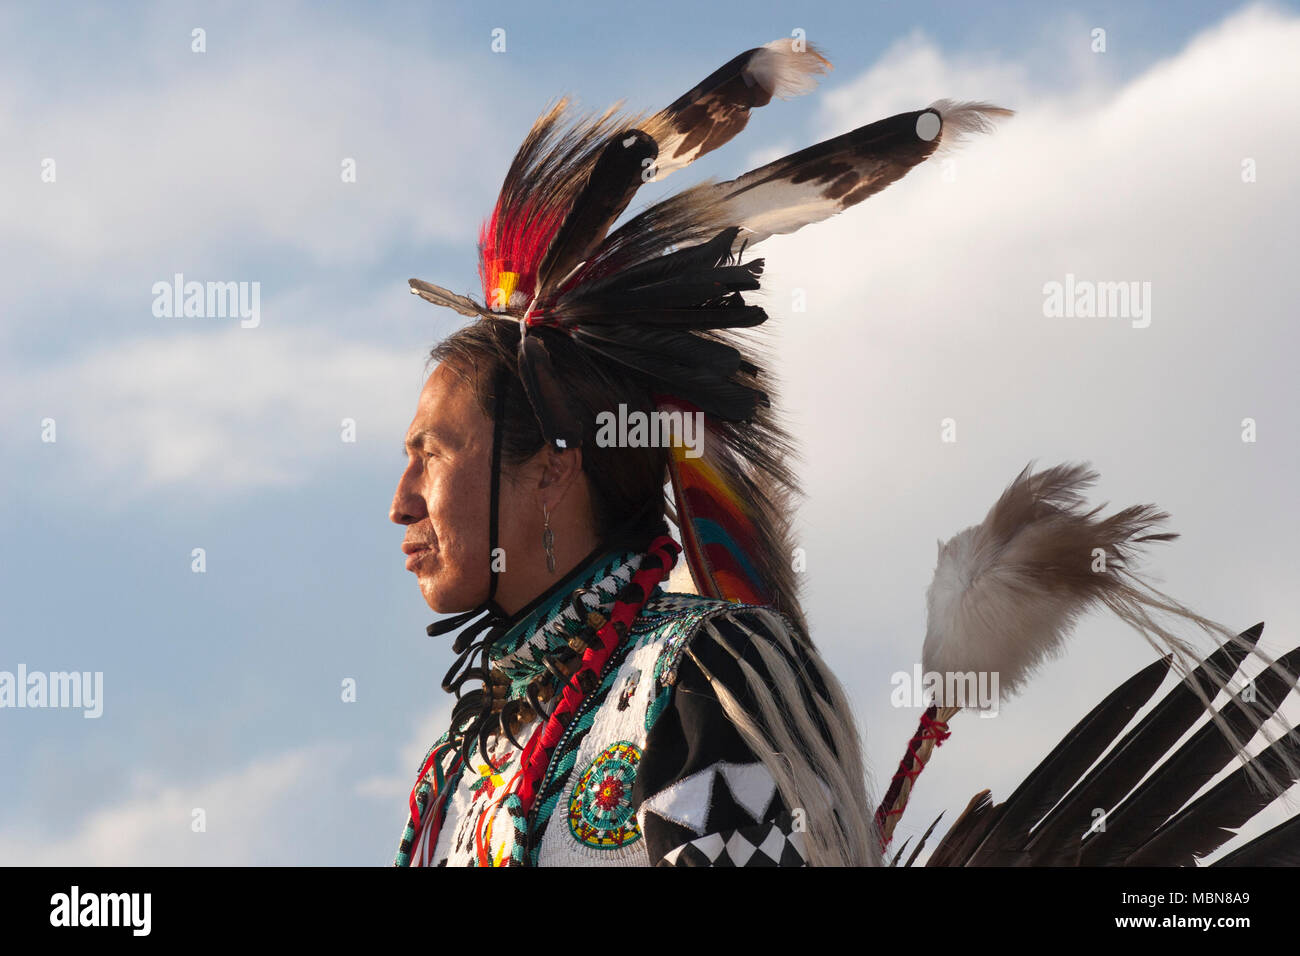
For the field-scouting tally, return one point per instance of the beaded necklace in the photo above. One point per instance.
(554, 697)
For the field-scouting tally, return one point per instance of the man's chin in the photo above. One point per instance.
(444, 600)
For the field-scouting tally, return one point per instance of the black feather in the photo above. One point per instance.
(924, 836)
(1140, 749)
(1208, 822)
(1189, 768)
(969, 830)
(730, 313)
(615, 177)
(560, 424)
(686, 291)
(1148, 825)
(681, 348)
(894, 860)
(710, 389)
(661, 266)
(1067, 762)
(1280, 846)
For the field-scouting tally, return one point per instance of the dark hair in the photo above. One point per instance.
(627, 483)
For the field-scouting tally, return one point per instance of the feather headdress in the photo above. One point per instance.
(659, 297)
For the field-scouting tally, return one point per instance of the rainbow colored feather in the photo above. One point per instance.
(721, 534)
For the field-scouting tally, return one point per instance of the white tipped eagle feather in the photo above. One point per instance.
(829, 177)
(717, 108)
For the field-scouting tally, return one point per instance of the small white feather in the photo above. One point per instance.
(785, 70)
(963, 119)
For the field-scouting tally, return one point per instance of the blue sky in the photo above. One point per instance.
(222, 689)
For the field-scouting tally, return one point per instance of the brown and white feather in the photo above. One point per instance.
(715, 110)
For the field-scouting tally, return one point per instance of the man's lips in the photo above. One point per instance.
(415, 552)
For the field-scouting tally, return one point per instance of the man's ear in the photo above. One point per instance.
(560, 469)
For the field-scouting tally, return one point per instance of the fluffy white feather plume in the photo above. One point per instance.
(1007, 592)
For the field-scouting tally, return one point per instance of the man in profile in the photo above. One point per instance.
(601, 718)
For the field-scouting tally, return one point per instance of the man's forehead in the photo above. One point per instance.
(445, 413)
(436, 424)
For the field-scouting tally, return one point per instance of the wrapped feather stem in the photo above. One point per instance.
(930, 732)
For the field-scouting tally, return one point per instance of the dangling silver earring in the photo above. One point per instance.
(548, 541)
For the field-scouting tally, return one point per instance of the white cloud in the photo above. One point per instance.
(927, 303)
(269, 811)
(397, 785)
(247, 141)
(217, 412)
(912, 73)
(249, 819)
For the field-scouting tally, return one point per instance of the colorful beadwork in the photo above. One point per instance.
(600, 811)
(489, 778)
(629, 688)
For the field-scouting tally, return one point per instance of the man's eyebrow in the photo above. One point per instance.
(422, 438)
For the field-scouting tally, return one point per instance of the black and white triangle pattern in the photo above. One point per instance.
(775, 843)
(723, 796)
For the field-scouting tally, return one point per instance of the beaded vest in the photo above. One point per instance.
(582, 813)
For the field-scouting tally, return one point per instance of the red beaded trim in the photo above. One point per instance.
(537, 755)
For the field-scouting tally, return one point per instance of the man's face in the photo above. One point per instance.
(443, 496)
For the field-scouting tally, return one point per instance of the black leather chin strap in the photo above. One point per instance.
(498, 432)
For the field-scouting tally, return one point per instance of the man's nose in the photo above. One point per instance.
(408, 507)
